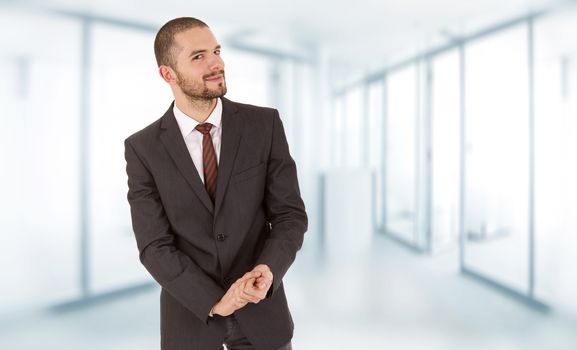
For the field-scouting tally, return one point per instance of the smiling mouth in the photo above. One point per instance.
(215, 77)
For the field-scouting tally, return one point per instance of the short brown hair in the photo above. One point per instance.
(164, 48)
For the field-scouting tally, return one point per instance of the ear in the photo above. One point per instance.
(167, 74)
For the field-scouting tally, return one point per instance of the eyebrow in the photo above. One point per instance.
(201, 51)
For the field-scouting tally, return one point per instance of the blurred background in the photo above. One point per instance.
(435, 144)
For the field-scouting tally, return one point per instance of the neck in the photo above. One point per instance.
(197, 109)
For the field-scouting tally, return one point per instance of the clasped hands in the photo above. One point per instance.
(250, 288)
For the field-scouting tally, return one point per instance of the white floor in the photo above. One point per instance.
(389, 298)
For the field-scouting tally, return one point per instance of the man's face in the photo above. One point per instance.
(199, 68)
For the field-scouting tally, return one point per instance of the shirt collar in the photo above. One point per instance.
(186, 124)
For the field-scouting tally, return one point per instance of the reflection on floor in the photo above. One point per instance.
(389, 298)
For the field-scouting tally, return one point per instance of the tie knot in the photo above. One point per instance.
(204, 128)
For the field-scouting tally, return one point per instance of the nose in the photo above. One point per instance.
(217, 63)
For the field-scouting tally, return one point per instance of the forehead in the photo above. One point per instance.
(199, 38)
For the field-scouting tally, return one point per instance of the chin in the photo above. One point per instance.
(222, 92)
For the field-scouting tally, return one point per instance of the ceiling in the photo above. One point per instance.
(363, 33)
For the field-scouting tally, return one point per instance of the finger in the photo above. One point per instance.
(240, 284)
(247, 292)
(251, 290)
(245, 298)
(250, 298)
(249, 275)
(265, 277)
(243, 280)
(251, 294)
(240, 298)
(252, 274)
(262, 282)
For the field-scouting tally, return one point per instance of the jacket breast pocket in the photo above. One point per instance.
(249, 173)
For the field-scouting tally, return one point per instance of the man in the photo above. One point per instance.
(215, 204)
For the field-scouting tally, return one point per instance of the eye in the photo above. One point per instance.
(197, 57)
(217, 52)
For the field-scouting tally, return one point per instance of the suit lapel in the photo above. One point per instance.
(232, 126)
(172, 139)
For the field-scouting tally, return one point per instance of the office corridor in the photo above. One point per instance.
(392, 300)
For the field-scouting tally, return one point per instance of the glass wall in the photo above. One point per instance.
(307, 119)
(445, 144)
(555, 161)
(353, 128)
(39, 155)
(374, 132)
(497, 157)
(400, 152)
(119, 86)
(338, 130)
(249, 78)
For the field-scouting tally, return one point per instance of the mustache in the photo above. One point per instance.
(208, 76)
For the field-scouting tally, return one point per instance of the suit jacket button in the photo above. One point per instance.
(220, 237)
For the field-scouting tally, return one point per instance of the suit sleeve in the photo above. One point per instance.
(284, 206)
(176, 272)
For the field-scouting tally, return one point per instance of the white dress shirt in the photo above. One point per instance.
(193, 137)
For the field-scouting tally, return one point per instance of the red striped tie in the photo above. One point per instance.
(208, 159)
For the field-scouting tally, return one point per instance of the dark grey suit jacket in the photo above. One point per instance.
(195, 250)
